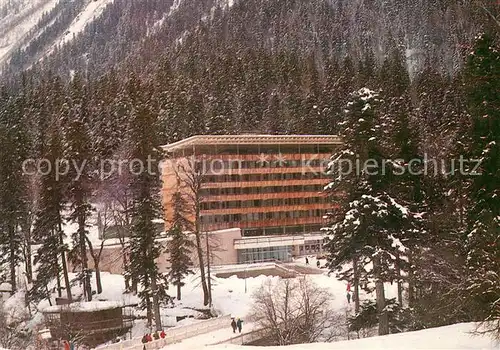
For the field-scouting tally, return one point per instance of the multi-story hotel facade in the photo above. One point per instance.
(260, 196)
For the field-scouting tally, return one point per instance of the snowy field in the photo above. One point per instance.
(457, 337)
(230, 298)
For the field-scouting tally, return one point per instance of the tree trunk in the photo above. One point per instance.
(85, 267)
(58, 278)
(83, 246)
(383, 321)
(98, 281)
(27, 263)
(400, 282)
(64, 265)
(13, 258)
(149, 311)
(26, 227)
(202, 269)
(199, 247)
(134, 285)
(356, 284)
(125, 263)
(411, 283)
(209, 279)
(179, 290)
(48, 294)
(96, 257)
(156, 304)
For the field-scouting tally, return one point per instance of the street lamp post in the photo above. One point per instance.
(246, 279)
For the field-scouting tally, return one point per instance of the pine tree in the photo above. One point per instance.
(79, 176)
(367, 227)
(50, 258)
(13, 183)
(179, 248)
(483, 245)
(407, 163)
(145, 186)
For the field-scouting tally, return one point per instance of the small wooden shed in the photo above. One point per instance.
(89, 323)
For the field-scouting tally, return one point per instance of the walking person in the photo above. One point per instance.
(348, 297)
(239, 324)
(307, 260)
(233, 325)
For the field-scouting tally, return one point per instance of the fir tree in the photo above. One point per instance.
(79, 176)
(13, 198)
(50, 258)
(483, 234)
(367, 227)
(145, 186)
(179, 248)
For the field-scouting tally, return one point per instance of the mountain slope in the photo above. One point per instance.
(17, 20)
(92, 10)
(106, 36)
(37, 28)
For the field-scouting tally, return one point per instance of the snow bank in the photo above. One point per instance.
(458, 336)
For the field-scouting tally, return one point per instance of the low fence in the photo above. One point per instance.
(245, 338)
(173, 335)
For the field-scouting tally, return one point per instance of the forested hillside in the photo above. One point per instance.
(434, 31)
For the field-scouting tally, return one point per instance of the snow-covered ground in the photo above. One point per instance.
(230, 298)
(458, 336)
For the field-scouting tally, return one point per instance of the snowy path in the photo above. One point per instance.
(210, 338)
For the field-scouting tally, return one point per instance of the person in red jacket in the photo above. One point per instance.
(149, 337)
(66, 345)
(162, 334)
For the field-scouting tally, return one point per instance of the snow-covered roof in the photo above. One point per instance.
(90, 306)
(253, 139)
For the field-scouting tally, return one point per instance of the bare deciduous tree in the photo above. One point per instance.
(116, 197)
(96, 254)
(295, 311)
(190, 177)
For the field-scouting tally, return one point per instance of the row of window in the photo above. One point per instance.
(263, 203)
(258, 149)
(266, 161)
(281, 230)
(310, 248)
(214, 219)
(254, 255)
(264, 177)
(206, 193)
